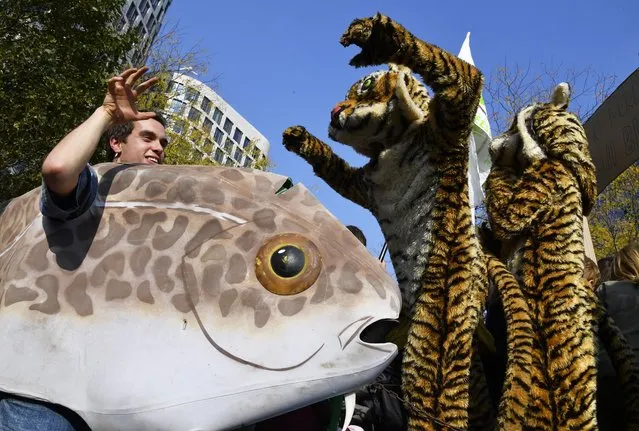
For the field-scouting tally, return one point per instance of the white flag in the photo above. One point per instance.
(479, 160)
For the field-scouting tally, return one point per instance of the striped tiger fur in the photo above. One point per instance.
(541, 184)
(515, 396)
(415, 184)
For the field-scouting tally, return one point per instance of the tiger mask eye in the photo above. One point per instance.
(367, 84)
(288, 264)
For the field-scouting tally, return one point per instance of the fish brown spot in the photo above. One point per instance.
(253, 298)
(49, 284)
(117, 289)
(160, 175)
(232, 174)
(290, 307)
(140, 234)
(377, 285)
(216, 252)
(183, 191)
(131, 216)
(121, 181)
(19, 294)
(139, 259)
(181, 303)
(320, 217)
(77, 297)
(323, 289)
(247, 240)
(227, 298)
(309, 200)
(113, 262)
(211, 279)
(212, 195)
(113, 237)
(265, 219)
(348, 281)
(263, 183)
(186, 274)
(144, 292)
(161, 274)
(289, 194)
(208, 230)
(240, 203)
(164, 240)
(237, 269)
(154, 189)
(37, 257)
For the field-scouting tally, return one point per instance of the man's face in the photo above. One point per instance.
(145, 144)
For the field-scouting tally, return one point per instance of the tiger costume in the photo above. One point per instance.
(541, 184)
(416, 185)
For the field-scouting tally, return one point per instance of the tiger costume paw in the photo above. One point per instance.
(379, 37)
(294, 138)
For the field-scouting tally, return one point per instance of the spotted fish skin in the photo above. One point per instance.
(155, 286)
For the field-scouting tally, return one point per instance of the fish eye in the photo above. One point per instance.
(288, 264)
(368, 82)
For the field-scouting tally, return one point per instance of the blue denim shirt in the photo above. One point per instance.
(64, 208)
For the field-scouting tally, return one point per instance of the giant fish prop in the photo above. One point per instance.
(188, 298)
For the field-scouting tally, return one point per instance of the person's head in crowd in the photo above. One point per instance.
(605, 268)
(358, 233)
(141, 141)
(625, 265)
(591, 273)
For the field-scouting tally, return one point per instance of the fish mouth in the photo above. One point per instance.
(367, 331)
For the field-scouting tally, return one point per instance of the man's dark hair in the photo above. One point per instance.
(358, 233)
(121, 131)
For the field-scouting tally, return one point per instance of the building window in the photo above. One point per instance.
(217, 116)
(206, 105)
(237, 136)
(228, 146)
(175, 88)
(150, 24)
(247, 162)
(194, 115)
(238, 154)
(177, 107)
(154, 3)
(207, 126)
(132, 13)
(218, 156)
(178, 127)
(217, 137)
(228, 126)
(191, 94)
(247, 143)
(145, 7)
(230, 162)
(121, 24)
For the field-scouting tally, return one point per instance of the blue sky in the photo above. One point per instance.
(279, 63)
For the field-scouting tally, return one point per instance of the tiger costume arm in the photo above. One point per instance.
(346, 180)
(382, 40)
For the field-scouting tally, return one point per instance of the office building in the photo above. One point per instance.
(222, 134)
(146, 17)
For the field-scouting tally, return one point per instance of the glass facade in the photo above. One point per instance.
(219, 133)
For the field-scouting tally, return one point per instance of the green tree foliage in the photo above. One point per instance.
(614, 220)
(56, 57)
